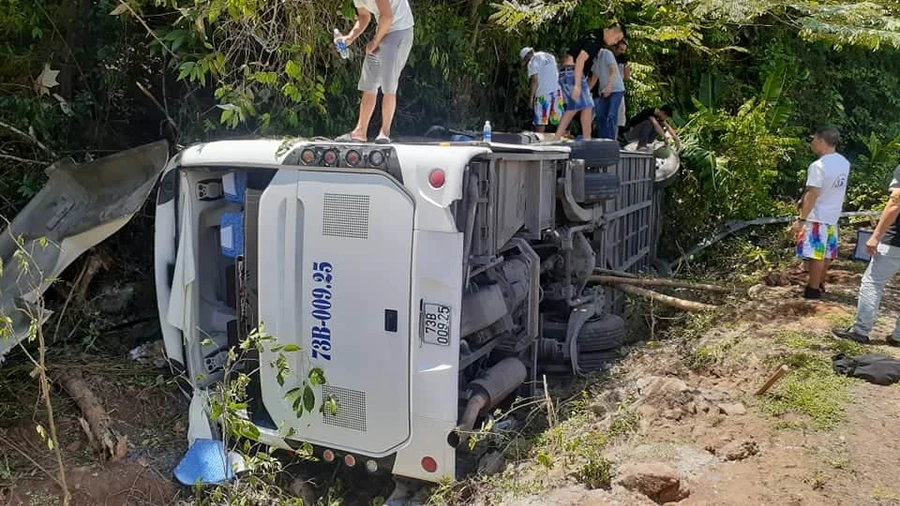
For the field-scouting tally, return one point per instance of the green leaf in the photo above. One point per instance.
(249, 431)
(290, 348)
(316, 376)
(309, 399)
(292, 69)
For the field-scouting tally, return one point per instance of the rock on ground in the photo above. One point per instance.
(657, 481)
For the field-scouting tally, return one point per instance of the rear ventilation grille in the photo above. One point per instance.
(351, 408)
(346, 216)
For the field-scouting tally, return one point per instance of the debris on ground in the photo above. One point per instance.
(110, 445)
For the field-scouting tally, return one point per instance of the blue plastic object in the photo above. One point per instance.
(231, 234)
(461, 138)
(235, 186)
(205, 463)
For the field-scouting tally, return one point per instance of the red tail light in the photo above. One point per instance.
(436, 178)
(429, 465)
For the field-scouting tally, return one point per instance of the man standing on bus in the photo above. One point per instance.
(386, 55)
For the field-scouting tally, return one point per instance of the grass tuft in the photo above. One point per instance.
(811, 389)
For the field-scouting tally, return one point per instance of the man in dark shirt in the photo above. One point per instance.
(645, 126)
(573, 79)
(884, 246)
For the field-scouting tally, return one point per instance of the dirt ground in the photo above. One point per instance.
(143, 404)
(790, 446)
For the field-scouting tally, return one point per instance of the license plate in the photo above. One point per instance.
(435, 324)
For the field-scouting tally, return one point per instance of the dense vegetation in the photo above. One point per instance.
(749, 79)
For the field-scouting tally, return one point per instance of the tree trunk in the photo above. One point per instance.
(96, 423)
(616, 280)
(685, 305)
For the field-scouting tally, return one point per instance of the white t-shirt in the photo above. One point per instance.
(830, 174)
(403, 17)
(544, 66)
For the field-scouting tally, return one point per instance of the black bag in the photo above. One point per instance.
(878, 369)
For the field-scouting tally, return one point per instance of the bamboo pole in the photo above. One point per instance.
(685, 305)
(616, 280)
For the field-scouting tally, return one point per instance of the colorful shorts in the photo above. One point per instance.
(567, 83)
(817, 241)
(549, 108)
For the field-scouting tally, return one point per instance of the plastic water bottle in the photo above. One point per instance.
(341, 45)
(486, 133)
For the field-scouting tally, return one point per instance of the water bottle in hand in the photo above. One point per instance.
(486, 133)
(341, 45)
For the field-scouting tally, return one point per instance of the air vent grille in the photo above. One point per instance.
(346, 216)
(351, 408)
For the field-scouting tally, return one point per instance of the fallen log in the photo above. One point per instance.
(685, 305)
(95, 422)
(668, 283)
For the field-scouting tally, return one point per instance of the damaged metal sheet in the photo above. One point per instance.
(78, 208)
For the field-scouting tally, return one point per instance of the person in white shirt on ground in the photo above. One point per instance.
(820, 208)
(546, 97)
(386, 55)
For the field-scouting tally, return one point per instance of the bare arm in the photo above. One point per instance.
(656, 126)
(673, 133)
(363, 18)
(613, 72)
(385, 19)
(593, 81)
(627, 73)
(579, 73)
(888, 217)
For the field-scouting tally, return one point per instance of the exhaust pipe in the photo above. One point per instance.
(487, 392)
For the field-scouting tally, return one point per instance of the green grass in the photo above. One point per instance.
(597, 472)
(816, 342)
(811, 389)
(841, 320)
(624, 422)
(705, 357)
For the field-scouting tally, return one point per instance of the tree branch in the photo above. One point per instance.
(685, 305)
(616, 280)
(21, 160)
(29, 138)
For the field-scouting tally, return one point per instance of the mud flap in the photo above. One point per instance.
(79, 207)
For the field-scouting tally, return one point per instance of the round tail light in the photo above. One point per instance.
(352, 158)
(330, 157)
(371, 466)
(437, 178)
(429, 464)
(350, 460)
(328, 456)
(307, 156)
(376, 158)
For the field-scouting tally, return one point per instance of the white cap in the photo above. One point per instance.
(525, 52)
